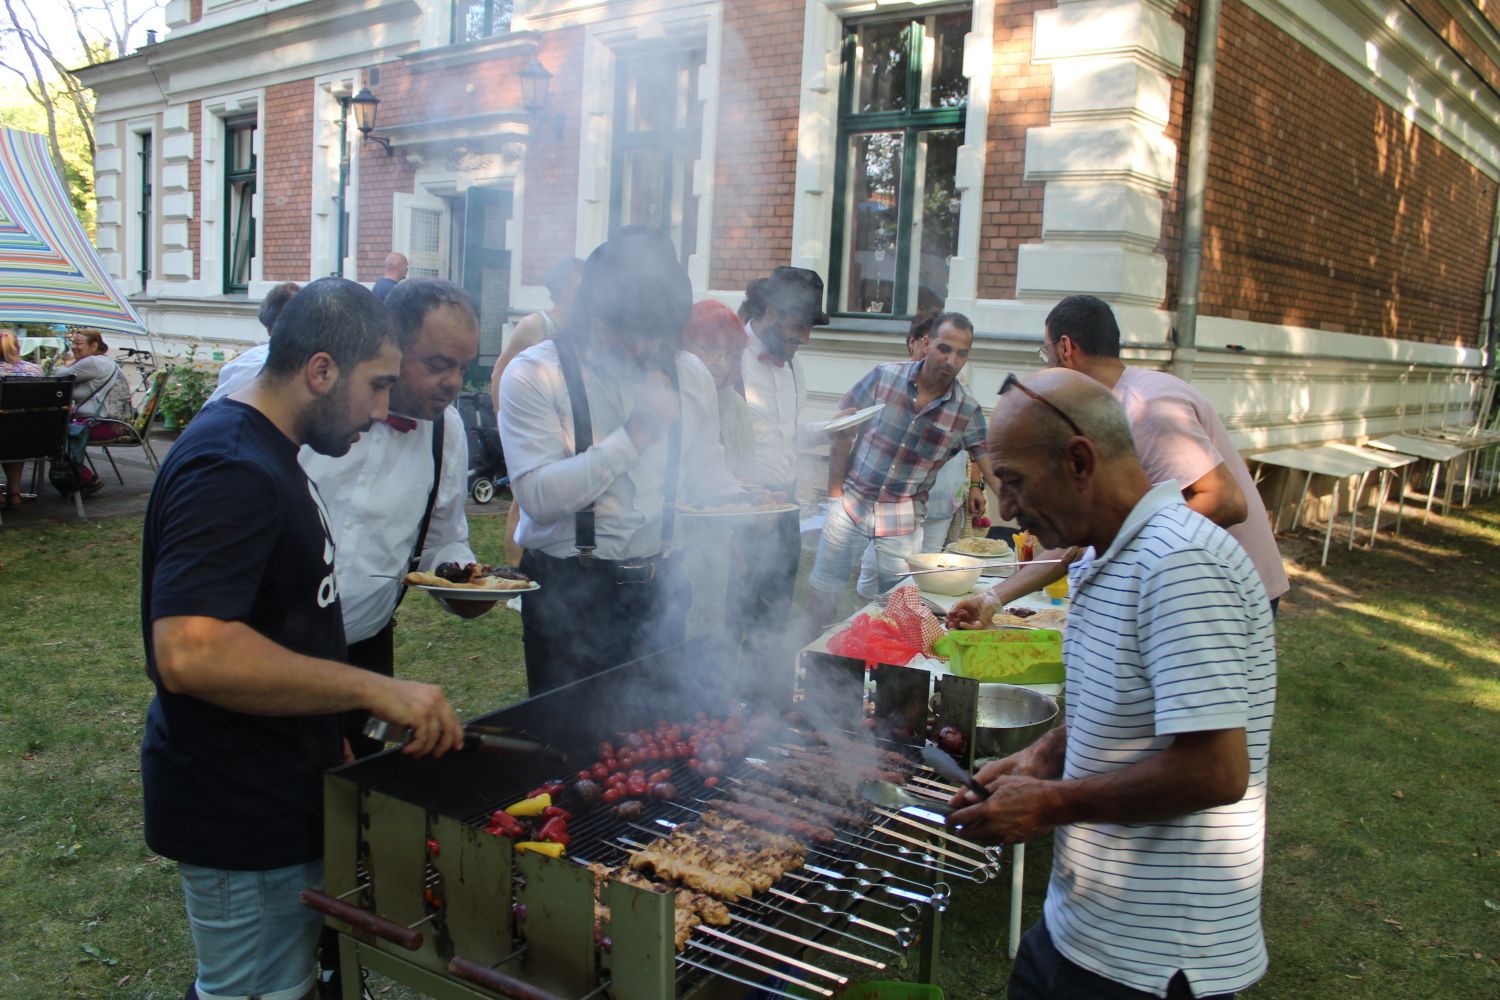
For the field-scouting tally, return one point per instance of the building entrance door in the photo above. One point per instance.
(486, 270)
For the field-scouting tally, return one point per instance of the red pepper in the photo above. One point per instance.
(504, 824)
(554, 788)
(553, 812)
(555, 830)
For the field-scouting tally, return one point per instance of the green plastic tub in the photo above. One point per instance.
(1011, 656)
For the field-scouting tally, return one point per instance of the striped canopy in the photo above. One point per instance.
(49, 272)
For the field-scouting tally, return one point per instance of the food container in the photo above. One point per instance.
(1010, 719)
(955, 584)
(1014, 656)
(988, 549)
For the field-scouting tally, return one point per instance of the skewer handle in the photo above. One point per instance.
(363, 919)
(498, 982)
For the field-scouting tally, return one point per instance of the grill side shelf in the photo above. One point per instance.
(642, 959)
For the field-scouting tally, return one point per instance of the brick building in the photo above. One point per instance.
(992, 156)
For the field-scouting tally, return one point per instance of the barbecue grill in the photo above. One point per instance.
(420, 892)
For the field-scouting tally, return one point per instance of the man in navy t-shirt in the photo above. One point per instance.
(244, 642)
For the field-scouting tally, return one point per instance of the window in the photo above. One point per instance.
(144, 212)
(902, 102)
(658, 136)
(239, 200)
(476, 19)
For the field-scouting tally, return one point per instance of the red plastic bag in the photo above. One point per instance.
(873, 640)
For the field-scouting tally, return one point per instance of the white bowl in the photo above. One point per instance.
(964, 575)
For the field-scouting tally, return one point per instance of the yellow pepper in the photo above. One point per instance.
(541, 847)
(530, 807)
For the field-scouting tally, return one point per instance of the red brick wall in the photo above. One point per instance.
(551, 194)
(756, 159)
(1326, 208)
(1020, 98)
(195, 10)
(381, 176)
(286, 170)
(195, 185)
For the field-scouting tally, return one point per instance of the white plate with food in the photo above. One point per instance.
(471, 582)
(853, 419)
(734, 509)
(984, 548)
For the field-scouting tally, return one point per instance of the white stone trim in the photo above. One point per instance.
(215, 111)
(615, 31)
(324, 219)
(176, 200)
(817, 138)
(1105, 158)
(1390, 53)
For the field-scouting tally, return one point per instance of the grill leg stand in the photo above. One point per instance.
(1017, 873)
(932, 934)
(351, 978)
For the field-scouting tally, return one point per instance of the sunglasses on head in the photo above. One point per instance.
(1011, 382)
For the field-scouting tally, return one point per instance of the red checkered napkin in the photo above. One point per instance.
(917, 624)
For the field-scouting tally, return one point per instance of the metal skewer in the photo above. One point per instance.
(794, 962)
(779, 974)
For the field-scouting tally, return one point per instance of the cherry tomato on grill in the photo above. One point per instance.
(661, 775)
(585, 775)
(606, 748)
(694, 763)
(613, 794)
(710, 782)
(635, 787)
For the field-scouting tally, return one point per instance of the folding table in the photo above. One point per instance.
(1439, 453)
(1324, 461)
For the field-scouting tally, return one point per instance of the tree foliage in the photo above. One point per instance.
(41, 42)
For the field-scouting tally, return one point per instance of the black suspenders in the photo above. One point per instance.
(437, 480)
(583, 439)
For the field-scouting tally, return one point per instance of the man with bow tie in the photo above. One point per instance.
(780, 312)
(396, 501)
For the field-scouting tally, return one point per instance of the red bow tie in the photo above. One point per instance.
(400, 423)
(772, 359)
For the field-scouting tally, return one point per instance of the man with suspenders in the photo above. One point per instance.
(605, 427)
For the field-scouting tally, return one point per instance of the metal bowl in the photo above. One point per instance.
(1011, 718)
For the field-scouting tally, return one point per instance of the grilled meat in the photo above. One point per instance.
(758, 792)
(692, 875)
(775, 820)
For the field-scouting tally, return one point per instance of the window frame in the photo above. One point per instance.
(671, 141)
(145, 191)
(459, 35)
(244, 175)
(911, 123)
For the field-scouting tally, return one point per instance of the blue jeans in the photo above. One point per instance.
(1042, 973)
(844, 541)
(254, 939)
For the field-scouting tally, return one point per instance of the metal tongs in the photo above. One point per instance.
(883, 793)
(487, 739)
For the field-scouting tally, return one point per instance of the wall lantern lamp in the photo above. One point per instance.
(534, 80)
(364, 104)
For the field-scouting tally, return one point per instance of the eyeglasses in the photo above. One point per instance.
(1043, 356)
(1011, 382)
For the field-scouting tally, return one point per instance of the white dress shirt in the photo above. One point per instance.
(552, 481)
(375, 496)
(776, 396)
(239, 370)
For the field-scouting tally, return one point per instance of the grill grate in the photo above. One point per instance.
(768, 929)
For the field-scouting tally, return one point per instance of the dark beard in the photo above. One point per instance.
(322, 426)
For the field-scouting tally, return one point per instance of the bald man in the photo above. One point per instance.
(1155, 786)
(393, 274)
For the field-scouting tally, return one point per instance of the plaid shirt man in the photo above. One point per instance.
(897, 455)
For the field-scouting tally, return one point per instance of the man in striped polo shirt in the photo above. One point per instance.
(1156, 785)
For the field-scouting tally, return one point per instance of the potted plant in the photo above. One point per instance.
(187, 389)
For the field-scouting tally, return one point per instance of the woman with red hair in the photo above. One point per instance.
(716, 337)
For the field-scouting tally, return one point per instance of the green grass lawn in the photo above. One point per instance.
(1383, 878)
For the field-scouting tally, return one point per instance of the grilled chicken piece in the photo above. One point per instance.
(684, 922)
(691, 875)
